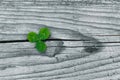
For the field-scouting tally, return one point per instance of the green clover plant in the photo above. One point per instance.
(44, 34)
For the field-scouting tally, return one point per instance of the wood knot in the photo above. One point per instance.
(54, 47)
(92, 46)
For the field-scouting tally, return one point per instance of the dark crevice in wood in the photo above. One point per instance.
(67, 40)
(14, 41)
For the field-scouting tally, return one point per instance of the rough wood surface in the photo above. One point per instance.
(85, 41)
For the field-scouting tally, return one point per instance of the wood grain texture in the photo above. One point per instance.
(89, 31)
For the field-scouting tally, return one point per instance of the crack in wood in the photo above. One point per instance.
(14, 41)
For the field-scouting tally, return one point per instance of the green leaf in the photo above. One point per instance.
(32, 37)
(41, 46)
(44, 33)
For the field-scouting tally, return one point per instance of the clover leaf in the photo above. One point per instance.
(44, 33)
(32, 37)
(41, 46)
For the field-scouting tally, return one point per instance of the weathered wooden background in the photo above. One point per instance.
(85, 41)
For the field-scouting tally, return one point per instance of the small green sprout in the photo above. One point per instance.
(44, 34)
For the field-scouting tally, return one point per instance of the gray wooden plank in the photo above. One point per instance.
(93, 20)
(66, 68)
(65, 62)
(20, 31)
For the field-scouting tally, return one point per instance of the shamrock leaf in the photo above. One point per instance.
(32, 37)
(41, 46)
(44, 33)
